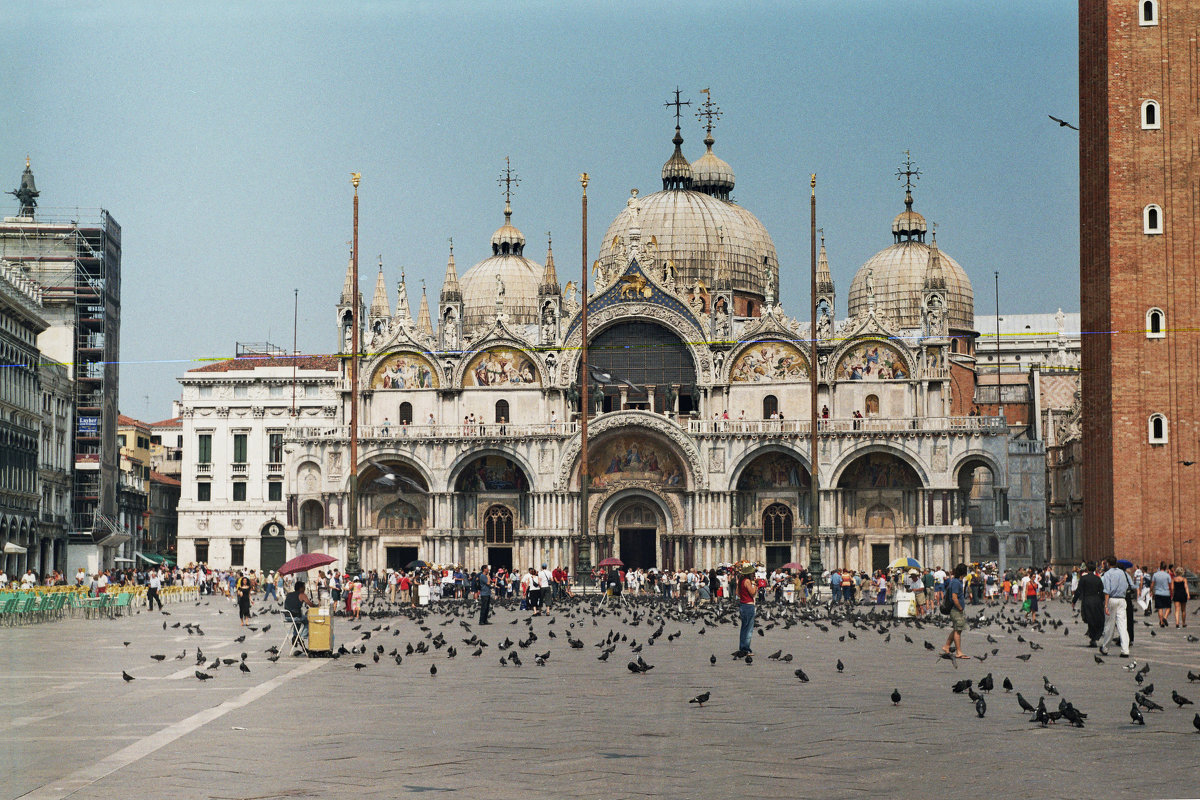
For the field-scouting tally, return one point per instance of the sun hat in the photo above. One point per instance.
(745, 569)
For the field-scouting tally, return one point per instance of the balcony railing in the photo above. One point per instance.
(784, 427)
(238, 469)
(546, 430)
(551, 430)
(204, 469)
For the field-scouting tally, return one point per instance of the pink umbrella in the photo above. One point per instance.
(304, 562)
(792, 565)
(611, 562)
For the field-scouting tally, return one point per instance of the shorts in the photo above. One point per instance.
(1162, 601)
(958, 620)
(919, 594)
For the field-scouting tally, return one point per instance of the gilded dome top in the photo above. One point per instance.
(711, 174)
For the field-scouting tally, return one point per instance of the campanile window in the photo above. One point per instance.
(1152, 220)
(1150, 116)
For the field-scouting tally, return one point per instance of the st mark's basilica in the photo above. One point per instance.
(698, 435)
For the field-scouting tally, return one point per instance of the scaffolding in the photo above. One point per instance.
(75, 255)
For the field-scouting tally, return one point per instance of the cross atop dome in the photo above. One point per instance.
(709, 111)
(509, 179)
(908, 173)
(679, 104)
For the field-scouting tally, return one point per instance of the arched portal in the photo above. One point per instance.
(635, 525)
(649, 356)
(982, 505)
(773, 476)
(880, 494)
(488, 480)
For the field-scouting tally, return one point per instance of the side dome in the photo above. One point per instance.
(898, 273)
(519, 277)
(711, 174)
(693, 229)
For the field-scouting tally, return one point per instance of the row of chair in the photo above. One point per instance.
(41, 605)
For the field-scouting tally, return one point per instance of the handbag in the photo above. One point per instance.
(1026, 606)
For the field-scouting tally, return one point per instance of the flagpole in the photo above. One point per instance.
(583, 556)
(814, 547)
(352, 565)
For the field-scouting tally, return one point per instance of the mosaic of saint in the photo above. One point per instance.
(773, 471)
(879, 471)
(492, 474)
(628, 457)
(770, 361)
(404, 371)
(399, 516)
(501, 367)
(871, 361)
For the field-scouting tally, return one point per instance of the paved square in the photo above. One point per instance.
(579, 727)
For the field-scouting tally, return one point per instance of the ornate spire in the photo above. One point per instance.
(677, 172)
(450, 291)
(27, 194)
(549, 286)
(824, 277)
(348, 287)
(935, 278)
(424, 322)
(402, 308)
(379, 302)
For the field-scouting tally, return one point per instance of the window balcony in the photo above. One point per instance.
(204, 469)
(238, 469)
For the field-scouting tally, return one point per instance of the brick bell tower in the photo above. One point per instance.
(1139, 197)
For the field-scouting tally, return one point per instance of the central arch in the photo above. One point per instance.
(645, 354)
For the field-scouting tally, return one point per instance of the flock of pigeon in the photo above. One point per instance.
(585, 616)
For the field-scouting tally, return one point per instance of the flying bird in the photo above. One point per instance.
(701, 699)
(1062, 123)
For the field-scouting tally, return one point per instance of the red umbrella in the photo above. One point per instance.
(792, 565)
(611, 562)
(304, 562)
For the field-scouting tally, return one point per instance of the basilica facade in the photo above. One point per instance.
(698, 446)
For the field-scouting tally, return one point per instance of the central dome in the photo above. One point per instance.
(692, 229)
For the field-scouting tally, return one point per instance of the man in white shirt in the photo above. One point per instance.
(153, 584)
(3, 579)
(28, 580)
(544, 581)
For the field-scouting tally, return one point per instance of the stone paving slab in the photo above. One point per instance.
(576, 727)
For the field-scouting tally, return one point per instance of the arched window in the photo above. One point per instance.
(1152, 219)
(1149, 12)
(777, 524)
(1158, 429)
(872, 405)
(1150, 116)
(406, 413)
(498, 525)
(502, 411)
(1156, 324)
(770, 406)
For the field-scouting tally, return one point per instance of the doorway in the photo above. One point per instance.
(499, 557)
(777, 556)
(272, 552)
(880, 557)
(637, 547)
(400, 557)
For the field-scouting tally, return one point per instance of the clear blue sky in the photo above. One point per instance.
(221, 136)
